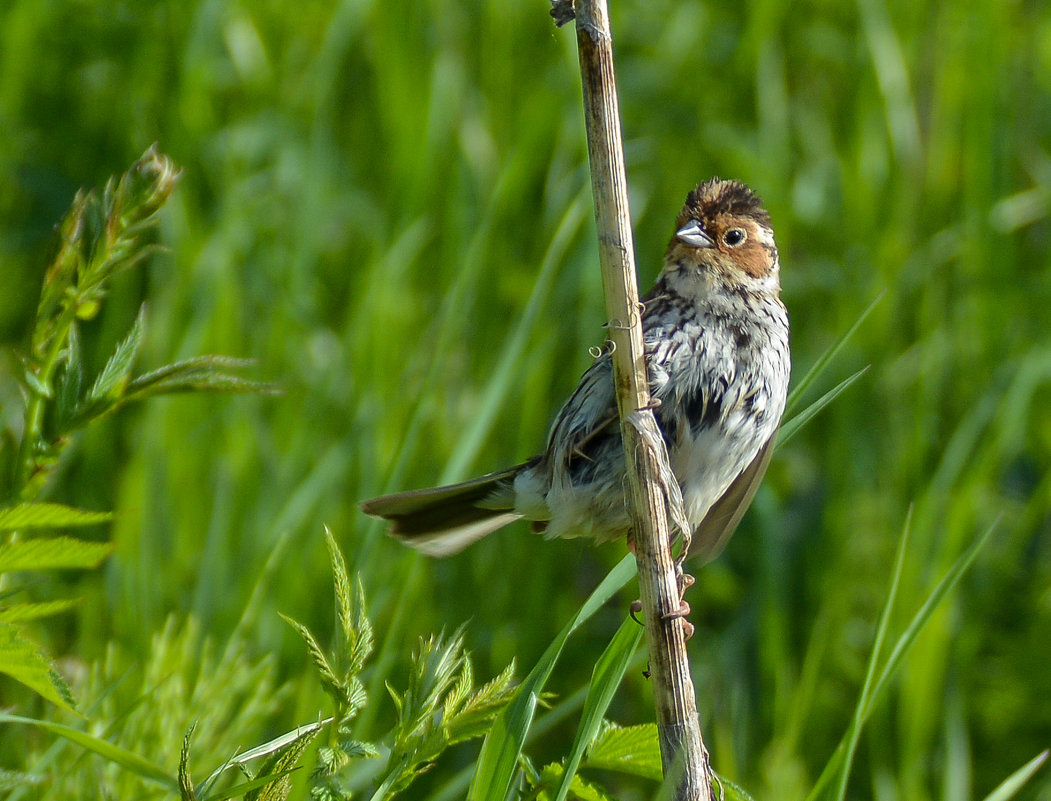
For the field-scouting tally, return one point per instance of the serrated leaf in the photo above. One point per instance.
(329, 681)
(279, 785)
(460, 691)
(115, 374)
(356, 697)
(631, 749)
(553, 774)
(185, 782)
(286, 740)
(477, 714)
(199, 373)
(67, 396)
(731, 791)
(358, 749)
(48, 515)
(365, 641)
(25, 662)
(344, 601)
(277, 779)
(33, 611)
(52, 553)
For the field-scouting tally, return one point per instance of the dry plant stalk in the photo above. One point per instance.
(682, 751)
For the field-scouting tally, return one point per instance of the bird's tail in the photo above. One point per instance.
(443, 520)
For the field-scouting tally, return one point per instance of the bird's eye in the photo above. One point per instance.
(734, 237)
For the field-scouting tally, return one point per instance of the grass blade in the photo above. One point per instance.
(138, 765)
(826, 358)
(503, 744)
(605, 679)
(1013, 783)
(838, 766)
(791, 428)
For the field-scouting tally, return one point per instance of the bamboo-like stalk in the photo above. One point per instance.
(682, 750)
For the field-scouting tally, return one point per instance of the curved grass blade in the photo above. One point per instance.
(138, 765)
(503, 744)
(826, 358)
(838, 768)
(791, 428)
(1013, 783)
(605, 679)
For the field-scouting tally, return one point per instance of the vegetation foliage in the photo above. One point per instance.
(382, 210)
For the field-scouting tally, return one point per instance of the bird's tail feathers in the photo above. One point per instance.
(443, 520)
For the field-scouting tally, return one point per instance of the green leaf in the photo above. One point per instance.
(831, 784)
(791, 427)
(732, 792)
(826, 358)
(274, 783)
(115, 754)
(329, 681)
(355, 629)
(1017, 780)
(582, 791)
(475, 716)
(33, 611)
(25, 661)
(185, 782)
(286, 740)
(503, 745)
(341, 583)
(199, 373)
(48, 515)
(275, 787)
(605, 679)
(67, 395)
(356, 749)
(114, 376)
(631, 749)
(62, 553)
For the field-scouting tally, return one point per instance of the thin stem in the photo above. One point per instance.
(34, 418)
(683, 755)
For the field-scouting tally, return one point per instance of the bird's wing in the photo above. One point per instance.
(585, 417)
(711, 536)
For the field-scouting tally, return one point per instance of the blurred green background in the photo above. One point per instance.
(386, 205)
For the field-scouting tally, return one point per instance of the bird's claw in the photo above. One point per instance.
(684, 581)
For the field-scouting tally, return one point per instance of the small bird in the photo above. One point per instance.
(716, 345)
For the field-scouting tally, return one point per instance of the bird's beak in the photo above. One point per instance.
(693, 234)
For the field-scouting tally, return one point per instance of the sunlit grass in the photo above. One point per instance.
(385, 205)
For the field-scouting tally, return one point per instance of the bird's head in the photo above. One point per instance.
(723, 238)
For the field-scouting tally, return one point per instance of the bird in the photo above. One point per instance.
(716, 339)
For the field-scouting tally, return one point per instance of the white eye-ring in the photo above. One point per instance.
(735, 237)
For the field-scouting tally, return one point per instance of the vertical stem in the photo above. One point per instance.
(683, 754)
(34, 416)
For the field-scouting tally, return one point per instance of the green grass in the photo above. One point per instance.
(385, 205)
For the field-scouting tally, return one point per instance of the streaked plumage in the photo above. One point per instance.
(716, 339)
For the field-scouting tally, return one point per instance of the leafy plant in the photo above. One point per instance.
(103, 234)
(439, 708)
